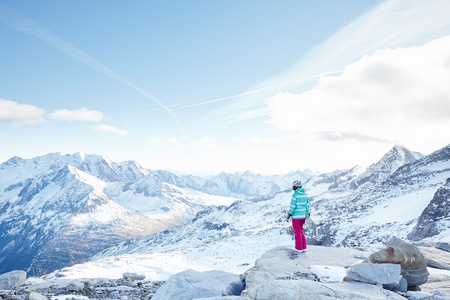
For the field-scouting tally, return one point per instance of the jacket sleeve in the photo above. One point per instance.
(293, 205)
(307, 206)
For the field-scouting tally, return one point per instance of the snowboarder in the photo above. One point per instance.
(299, 211)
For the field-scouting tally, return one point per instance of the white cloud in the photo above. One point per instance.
(393, 95)
(110, 129)
(156, 141)
(82, 114)
(206, 143)
(16, 113)
(391, 24)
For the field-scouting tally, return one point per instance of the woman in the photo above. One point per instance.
(299, 210)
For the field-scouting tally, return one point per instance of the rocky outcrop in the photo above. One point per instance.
(436, 212)
(284, 273)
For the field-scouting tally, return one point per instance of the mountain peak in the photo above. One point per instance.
(395, 158)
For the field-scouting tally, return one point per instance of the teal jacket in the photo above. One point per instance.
(299, 204)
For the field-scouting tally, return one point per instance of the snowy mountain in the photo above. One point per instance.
(57, 210)
(389, 163)
(61, 218)
(246, 185)
(385, 205)
(231, 237)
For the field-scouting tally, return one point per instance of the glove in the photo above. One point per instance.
(309, 215)
(288, 217)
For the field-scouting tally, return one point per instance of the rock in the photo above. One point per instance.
(312, 290)
(11, 279)
(436, 258)
(388, 274)
(412, 262)
(133, 276)
(225, 298)
(114, 295)
(285, 262)
(283, 273)
(191, 284)
(439, 280)
(255, 276)
(75, 286)
(235, 288)
(290, 290)
(401, 287)
(35, 296)
(443, 246)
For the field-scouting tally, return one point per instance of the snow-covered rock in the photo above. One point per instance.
(191, 284)
(375, 273)
(35, 296)
(133, 276)
(11, 279)
(75, 286)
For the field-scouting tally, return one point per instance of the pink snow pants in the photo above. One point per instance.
(300, 239)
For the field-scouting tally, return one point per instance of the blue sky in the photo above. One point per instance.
(267, 86)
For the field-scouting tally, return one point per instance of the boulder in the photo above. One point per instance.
(12, 279)
(412, 262)
(114, 295)
(35, 296)
(75, 286)
(375, 273)
(133, 276)
(191, 284)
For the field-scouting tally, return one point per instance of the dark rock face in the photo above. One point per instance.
(437, 210)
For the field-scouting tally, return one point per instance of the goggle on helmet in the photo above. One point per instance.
(297, 184)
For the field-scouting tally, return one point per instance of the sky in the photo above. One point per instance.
(211, 86)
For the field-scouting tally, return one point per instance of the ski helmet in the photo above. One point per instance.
(296, 184)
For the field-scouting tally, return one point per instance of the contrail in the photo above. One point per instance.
(261, 89)
(12, 19)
